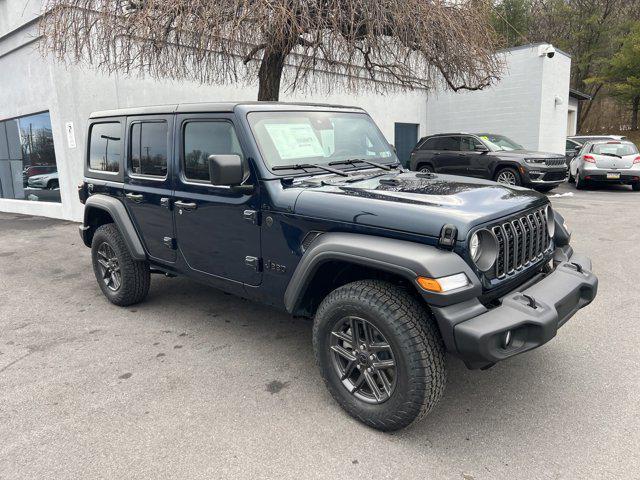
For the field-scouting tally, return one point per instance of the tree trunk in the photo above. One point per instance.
(634, 113)
(270, 74)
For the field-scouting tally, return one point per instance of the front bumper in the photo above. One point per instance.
(524, 320)
(543, 175)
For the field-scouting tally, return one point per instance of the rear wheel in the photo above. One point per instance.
(580, 183)
(508, 176)
(123, 280)
(636, 186)
(379, 353)
(52, 185)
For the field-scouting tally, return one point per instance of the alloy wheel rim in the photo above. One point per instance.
(425, 170)
(363, 360)
(507, 178)
(109, 267)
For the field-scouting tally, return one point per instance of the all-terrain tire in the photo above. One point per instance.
(135, 275)
(417, 348)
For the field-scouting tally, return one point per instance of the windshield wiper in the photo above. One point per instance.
(303, 166)
(353, 161)
(611, 155)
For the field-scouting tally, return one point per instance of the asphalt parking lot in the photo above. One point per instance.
(197, 384)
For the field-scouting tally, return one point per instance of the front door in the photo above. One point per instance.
(216, 234)
(148, 183)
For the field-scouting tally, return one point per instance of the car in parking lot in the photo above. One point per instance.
(32, 170)
(45, 180)
(574, 143)
(490, 156)
(606, 161)
(306, 208)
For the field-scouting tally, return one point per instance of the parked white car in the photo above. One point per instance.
(45, 180)
(606, 161)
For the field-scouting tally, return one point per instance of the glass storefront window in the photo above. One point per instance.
(28, 169)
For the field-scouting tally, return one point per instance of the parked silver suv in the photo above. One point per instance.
(606, 161)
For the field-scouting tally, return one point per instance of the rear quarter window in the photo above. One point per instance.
(105, 147)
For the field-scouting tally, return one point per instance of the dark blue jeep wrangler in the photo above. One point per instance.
(306, 208)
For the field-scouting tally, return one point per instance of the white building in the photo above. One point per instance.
(530, 104)
(44, 108)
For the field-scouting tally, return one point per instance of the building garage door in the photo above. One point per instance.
(406, 137)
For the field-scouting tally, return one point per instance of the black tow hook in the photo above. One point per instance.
(530, 301)
(578, 266)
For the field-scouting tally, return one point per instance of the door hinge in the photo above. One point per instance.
(170, 242)
(251, 216)
(253, 262)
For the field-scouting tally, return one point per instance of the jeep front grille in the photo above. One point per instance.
(555, 162)
(521, 242)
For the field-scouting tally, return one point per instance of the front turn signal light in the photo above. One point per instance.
(443, 284)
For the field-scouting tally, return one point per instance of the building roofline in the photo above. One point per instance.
(532, 45)
(579, 95)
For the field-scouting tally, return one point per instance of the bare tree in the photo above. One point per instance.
(385, 44)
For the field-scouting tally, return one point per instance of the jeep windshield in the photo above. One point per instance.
(499, 142)
(310, 138)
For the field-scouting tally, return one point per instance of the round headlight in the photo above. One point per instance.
(483, 248)
(551, 221)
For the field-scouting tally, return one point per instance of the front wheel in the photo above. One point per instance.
(508, 176)
(379, 353)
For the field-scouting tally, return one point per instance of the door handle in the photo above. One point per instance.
(135, 197)
(185, 205)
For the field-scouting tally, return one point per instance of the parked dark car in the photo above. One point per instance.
(490, 156)
(306, 208)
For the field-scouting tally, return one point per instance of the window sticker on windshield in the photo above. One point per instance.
(294, 140)
(484, 137)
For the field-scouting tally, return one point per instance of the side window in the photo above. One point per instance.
(148, 149)
(448, 143)
(468, 144)
(105, 147)
(202, 139)
(430, 144)
(569, 145)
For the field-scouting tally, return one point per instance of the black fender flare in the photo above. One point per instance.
(116, 209)
(406, 259)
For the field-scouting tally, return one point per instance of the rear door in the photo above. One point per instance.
(148, 183)
(217, 226)
(449, 158)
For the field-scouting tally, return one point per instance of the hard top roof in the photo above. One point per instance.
(219, 107)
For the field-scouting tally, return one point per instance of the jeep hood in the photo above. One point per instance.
(411, 202)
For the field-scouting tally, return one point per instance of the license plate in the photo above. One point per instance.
(613, 176)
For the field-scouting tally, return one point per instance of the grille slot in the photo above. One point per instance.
(521, 241)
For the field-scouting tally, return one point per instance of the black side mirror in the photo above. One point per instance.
(480, 148)
(225, 170)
